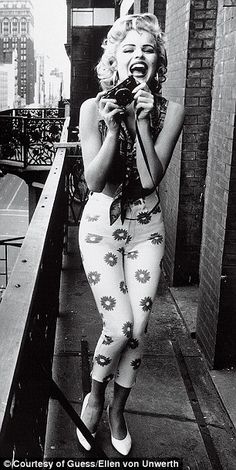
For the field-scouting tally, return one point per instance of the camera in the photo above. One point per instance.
(123, 92)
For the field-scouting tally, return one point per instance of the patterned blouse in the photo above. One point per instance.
(124, 172)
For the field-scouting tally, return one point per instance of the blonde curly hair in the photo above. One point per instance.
(107, 67)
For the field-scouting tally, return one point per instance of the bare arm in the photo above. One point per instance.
(97, 156)
(160, 152)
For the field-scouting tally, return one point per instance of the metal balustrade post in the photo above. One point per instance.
(24, 147)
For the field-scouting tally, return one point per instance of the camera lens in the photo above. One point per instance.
(123, 96)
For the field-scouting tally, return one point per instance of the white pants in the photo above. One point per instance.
(123, 264)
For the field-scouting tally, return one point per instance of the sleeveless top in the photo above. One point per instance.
(124, 170)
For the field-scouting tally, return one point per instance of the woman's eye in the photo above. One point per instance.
(149, 49)
(128, 50)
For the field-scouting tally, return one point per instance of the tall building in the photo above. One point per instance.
(16, 32)
(40, 86)
(55, 87)
(49, 83)
(8, 80)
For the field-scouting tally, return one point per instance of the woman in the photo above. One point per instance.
(121, 232)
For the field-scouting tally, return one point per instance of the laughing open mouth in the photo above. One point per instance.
(139, 69)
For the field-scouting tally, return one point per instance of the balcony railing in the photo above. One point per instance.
(28, 313)
(27, 137)
(34, 112)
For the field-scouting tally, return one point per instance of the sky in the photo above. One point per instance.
(50, 33)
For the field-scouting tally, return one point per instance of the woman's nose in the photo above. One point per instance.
(138, 52)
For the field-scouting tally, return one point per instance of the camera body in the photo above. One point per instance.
(123, 92)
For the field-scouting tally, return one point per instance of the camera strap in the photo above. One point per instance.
(145, 158)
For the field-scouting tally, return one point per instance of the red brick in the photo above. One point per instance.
(207, 53)
(196, 92)
(198, 24)
(199, 4)
(211, 4)
(199, 14)
(208, 43)
(194, 63)
(204, 119)
(205, 101)
(190, 119)
(209, 24)
(190, 101)
(187, 155)
(195, 44)
(206, 82)
(207, 62)
(203, 34)
(193, 82)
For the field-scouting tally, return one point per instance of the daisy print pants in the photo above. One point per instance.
(123, 265)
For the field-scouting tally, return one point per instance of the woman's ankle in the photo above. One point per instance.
(116, 410)
(96, 401)
(117, 422)
(92, 414)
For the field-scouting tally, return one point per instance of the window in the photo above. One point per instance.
(104, 16)
(82, 17)
(14, 26)
(6, 27)
(23, 26)
(92, 16)
(5, 44)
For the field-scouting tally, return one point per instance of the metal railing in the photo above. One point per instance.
(34, 112)
(5, 243)
(28, 141)
(28, 314)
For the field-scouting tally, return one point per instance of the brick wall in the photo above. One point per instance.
(177, 24)
(191, 82)
(195, 139)
(216, 323)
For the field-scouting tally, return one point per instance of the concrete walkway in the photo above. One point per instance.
(174, 411)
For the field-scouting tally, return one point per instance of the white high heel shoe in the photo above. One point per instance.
(123, 446)
(80, 436)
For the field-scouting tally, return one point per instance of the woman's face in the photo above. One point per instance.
(136, 55)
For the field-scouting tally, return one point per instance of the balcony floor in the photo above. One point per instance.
(174, 411)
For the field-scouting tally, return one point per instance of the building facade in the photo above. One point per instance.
(16, 33)
(8, 80)
(49, 83)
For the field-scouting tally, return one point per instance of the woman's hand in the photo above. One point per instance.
(143, 101)
(110, 112)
